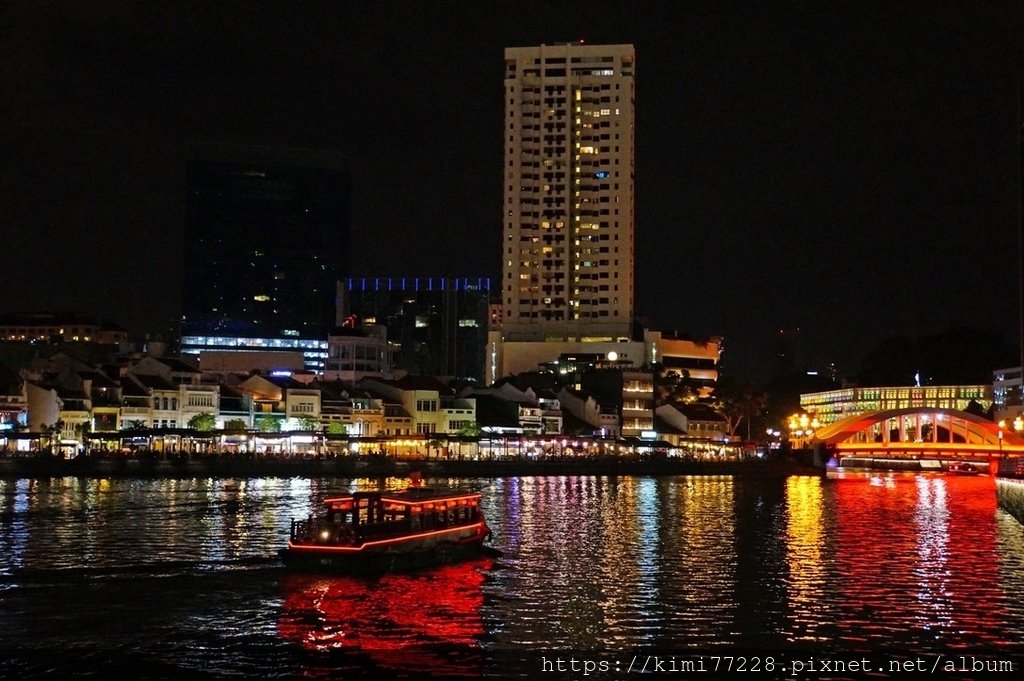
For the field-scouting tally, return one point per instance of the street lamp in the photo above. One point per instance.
(1002, 424)
(802, 427)
(795, 431)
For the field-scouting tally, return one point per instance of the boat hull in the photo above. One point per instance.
(383, 561)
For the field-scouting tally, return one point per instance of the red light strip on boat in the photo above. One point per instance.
(429, 500)
(380, 542)
(466, 497)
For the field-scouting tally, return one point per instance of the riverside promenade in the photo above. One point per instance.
(43, 466)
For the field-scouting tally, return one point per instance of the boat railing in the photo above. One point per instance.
(321, 530)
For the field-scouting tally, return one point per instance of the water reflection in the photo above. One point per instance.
(185, 571)
(807, 572)
(601, 563)
(916, 562)
(426, 622)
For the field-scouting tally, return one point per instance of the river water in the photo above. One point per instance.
(164, 579)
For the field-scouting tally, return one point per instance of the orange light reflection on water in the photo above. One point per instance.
(807, 578)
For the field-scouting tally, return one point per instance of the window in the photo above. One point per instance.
(200, 400)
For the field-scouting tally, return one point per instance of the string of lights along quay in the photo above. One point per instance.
(179, 577)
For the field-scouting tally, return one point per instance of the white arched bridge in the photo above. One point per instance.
(920, 433)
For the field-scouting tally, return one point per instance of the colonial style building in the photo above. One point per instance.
(833, 405)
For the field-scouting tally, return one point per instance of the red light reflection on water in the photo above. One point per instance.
(428, 620)
(917, 555)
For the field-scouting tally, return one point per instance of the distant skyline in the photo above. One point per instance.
(848, 169)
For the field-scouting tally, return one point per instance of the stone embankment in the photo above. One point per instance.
(1010, 487)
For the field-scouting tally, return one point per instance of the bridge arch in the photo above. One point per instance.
(921, 428)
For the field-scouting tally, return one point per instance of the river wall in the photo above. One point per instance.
(1010, 488)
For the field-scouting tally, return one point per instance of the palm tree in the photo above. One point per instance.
(52, 433)
(82, 431)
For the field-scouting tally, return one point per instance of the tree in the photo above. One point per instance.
(974, 407)
(53, 433)
(235, 426)
(471, 429)
(674, 386)
(136, 424)
(266, 423)
(336, 428)
(309, 423)
(202, 422)
(741, 404)
(82, 430)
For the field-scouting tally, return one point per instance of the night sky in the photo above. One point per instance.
(851, 169)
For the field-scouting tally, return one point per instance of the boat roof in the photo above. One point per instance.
(412, 495)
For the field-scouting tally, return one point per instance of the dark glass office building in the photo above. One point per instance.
(436, 326)
(267, 237)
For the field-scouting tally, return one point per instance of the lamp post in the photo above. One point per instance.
(1002, 424)
(794, 428)
(802, 427)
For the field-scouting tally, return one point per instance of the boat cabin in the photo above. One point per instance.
(365, 516)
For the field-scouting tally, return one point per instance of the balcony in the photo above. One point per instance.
(135, 411)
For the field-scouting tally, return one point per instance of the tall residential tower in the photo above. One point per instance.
(568, 247)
